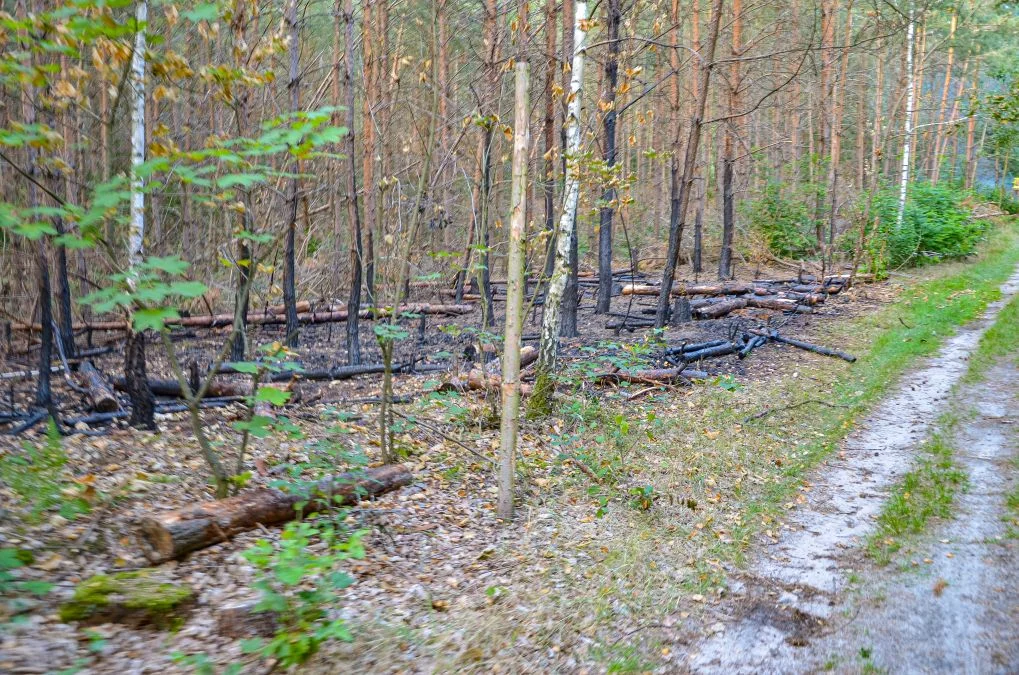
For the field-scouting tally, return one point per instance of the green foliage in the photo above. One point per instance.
(1005, 199)
(935, 226)
(299, 580)
(785, 222)
(11, 588)
(36, 475)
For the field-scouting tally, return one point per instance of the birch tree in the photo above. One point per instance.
(907, 136)
(548, 349)
(143, 403)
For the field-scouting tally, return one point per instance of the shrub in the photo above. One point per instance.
(1005, 199)
(935, 226)
(785, 223)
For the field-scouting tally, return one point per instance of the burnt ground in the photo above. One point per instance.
(575, 591)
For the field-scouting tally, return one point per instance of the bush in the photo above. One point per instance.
(785, 223)
(935, 226)
(1000, 196)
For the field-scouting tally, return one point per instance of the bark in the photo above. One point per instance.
(136, 383)
(613, 20)
(99, 390)
(174, 534)
(907, 138)
(551, 319)
(293, 196)
(655, 376)
(353, 211)
(548, 132)
(728, 145)
(689, 164)
(721, 309)
(515, 279)
(810, 347)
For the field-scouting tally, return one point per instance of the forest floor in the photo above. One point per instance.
(640, 570)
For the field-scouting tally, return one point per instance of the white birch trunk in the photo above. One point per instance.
(907, 141)
(137, 232)
(548, 350)
(514, 295)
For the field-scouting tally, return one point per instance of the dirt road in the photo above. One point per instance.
(811, 602)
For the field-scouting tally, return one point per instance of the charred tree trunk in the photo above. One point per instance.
(613, 19)
(353, 212)
(290, 254)
(143, 403)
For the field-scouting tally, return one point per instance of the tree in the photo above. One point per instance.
(705, 65)
(143, 403)
(613, 18)
(515, 274)
(548, 349)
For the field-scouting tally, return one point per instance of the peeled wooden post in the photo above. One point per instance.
(99, 390)
(171, 535)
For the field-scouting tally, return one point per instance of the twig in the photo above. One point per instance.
(769, 411)
(583, 467)
(436, 431)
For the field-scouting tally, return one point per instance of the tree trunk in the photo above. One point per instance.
(143, 402)
(353, 212)
(548, 132)
(907, 138)
(515, 277)
(728, 145)
(289, 256)
(174, 534)
(613, 20)
(689, 166)
(551, 319)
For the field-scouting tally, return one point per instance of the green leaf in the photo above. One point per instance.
(188, 289)
(242, 179)
(272, 395)
(36, 587)
(246, 367)
(172, 265)
(291, 575)
(207, 12)
(153, 318)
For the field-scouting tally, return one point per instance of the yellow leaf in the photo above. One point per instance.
(65, 89)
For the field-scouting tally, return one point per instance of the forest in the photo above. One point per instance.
(434, 336)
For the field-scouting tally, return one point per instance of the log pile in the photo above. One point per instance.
(716, 300)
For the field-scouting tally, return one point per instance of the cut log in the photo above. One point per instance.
(721, 309)
(654, 376)
(99, 390)
(691, 289)
(681, 312)
(694, 347)
(171, 535)
(710, 352)
(779, 304)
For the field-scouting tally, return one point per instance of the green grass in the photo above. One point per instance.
(1000, 340)
(926, 492)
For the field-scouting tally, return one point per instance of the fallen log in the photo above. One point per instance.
(693, 347)
(99, 390)
(328, 315)
(721, 309)
(171, 535)
(171, 388)
(779, 304)
(691, 289)
(710, 352)
(654, 376)
(751, 345)
(808, 346)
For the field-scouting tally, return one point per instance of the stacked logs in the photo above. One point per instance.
(716, 300)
